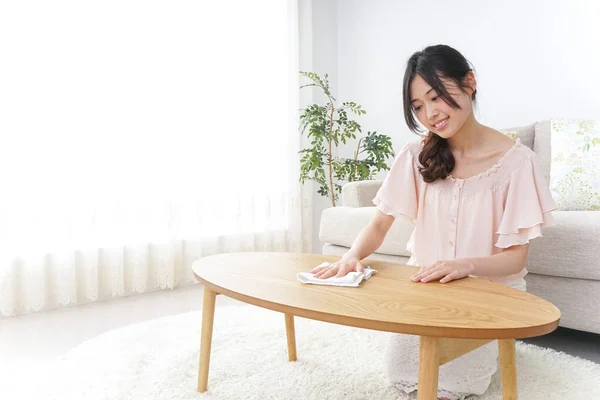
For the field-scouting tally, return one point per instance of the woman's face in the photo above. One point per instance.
(434, 113)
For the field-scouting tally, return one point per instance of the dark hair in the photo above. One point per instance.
(434, 63)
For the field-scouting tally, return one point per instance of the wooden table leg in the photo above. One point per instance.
(428, 368)
(208, 316)
(508, 368)
(290, 332)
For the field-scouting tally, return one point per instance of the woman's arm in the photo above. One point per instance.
(509, 262)
(368, 240)
(371, 236)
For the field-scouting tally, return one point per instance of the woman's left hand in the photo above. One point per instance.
(444, 271)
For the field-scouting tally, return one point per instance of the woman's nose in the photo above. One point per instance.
(431, 113)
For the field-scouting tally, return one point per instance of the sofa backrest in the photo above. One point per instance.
(542, 147)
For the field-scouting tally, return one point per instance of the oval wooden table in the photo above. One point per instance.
(451, 319)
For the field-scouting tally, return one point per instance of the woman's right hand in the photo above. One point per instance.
(347, 263)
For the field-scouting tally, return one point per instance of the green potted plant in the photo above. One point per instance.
(328, 125)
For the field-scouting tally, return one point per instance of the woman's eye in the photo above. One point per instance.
(417, 108)
(435, 98)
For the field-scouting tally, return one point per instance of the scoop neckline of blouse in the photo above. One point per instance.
(493, 168)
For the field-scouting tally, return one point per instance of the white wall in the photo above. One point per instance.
(534, 60)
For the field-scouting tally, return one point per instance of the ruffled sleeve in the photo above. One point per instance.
(398, 195)
(528, 206)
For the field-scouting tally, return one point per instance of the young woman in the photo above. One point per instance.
(475, 197)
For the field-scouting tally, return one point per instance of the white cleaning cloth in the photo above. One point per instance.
(352, 279)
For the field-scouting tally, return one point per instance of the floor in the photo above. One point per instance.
(41, 336)
(577, 343)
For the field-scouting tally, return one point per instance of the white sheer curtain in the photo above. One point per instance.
(139, 136)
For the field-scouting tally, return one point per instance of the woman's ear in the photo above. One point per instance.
(471, 82)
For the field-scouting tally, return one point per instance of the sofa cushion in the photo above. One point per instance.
(575, 172)
(569, 248)
(525, 133)
(360, 194)
(341, 225)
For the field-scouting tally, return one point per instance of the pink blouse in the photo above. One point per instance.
(479, 216)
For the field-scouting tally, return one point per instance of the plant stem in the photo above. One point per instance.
(332, 188)
(356, 159)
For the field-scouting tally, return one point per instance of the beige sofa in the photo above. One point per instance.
(563, 265)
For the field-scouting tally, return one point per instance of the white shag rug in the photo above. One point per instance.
(158, 359)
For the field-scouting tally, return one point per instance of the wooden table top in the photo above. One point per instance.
(388, 301)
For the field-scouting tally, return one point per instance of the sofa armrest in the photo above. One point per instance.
(360, 194)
